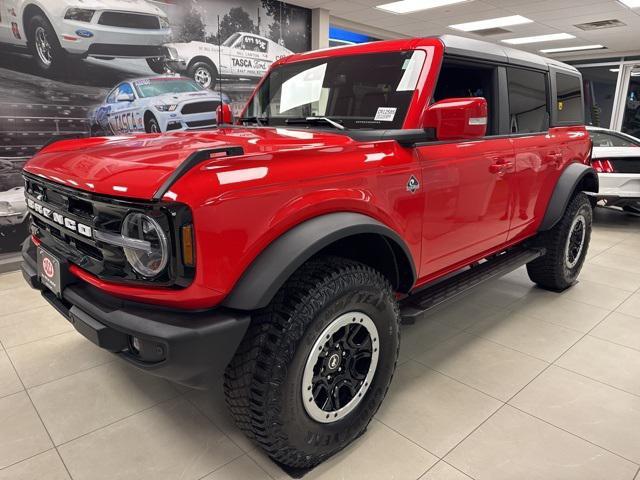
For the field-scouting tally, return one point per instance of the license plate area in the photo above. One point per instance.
(49, 271)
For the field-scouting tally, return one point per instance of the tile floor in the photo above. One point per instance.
(510, 382)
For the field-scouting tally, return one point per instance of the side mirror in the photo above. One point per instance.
(458, 118)
(124, 97)
(224, 115)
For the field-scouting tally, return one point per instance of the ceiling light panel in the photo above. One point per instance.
(491, 23)
(630, 3)
(539, 38)
(409, 6)
(573, 49)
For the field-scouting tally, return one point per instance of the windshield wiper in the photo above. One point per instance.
(261, 121)
(333, 123)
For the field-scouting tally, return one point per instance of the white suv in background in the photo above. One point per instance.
(50, 29)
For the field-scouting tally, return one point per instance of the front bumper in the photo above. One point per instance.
(191, 348)
(177, 121)
(113, 41)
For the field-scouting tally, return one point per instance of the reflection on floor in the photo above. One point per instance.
(510, 382)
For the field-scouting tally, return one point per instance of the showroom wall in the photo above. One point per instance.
(245, 35)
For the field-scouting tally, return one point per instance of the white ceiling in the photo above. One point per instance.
(549, 16)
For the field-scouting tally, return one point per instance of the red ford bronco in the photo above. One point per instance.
(362, 186)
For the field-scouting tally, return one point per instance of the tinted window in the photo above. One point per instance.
(528, 111)
(458, 80)
(570, 109)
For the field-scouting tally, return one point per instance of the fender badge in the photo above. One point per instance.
(413, 184)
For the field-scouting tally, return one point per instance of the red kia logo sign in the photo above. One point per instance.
(47, 267)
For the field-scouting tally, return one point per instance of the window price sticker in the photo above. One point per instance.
(385, 114)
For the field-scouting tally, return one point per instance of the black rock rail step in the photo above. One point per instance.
(435, 294)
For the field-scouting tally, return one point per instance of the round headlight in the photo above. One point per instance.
(148, 259)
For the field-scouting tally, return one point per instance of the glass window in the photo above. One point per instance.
(610, 139)
(631, 118)
(152, 87)
(359, 91)
(599, 92)
(254, 44)
(569, 99)
(528, 109)
(461, 80)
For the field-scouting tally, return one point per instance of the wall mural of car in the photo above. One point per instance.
(53, 30)
(156, 104)
(616, 158)
(14, 216)
(242, 55)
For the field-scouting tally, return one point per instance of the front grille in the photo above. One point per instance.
(105, 214)
(130, 20)
(200, 107)
(201, 124)
(626, 165)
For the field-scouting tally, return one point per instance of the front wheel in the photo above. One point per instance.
(44, 45)
(151, 125)
(566, 244)
(316, 364)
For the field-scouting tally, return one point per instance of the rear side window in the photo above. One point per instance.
(528, 109)
(569, 99)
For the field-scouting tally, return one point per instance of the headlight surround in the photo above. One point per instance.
(147, 262)
(79, 14)
(166, 108)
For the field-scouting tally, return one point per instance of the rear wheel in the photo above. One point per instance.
(157, 65)
(566, 244)
(316, 364)
(44, 45)
(204, 73)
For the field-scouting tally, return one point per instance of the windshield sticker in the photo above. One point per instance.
(411, 72)
(385, 114)
(303, 88)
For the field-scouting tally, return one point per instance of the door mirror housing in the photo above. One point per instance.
(458, 118)
(224, 115)
(124, 97)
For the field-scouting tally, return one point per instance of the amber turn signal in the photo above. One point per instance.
(188, 251)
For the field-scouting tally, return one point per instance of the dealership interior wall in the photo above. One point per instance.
(506, 381)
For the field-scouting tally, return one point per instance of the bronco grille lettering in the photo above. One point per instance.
(68, 223)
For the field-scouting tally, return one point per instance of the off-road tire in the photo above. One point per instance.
(263, 382)
(59, 57)
(552, 271)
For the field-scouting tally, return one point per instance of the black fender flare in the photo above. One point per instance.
(574, 176)
(279, 260)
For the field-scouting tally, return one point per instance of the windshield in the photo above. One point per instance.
(160, 86)
(370, 91)
(229, 41)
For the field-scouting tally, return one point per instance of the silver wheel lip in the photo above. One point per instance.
(579, 219)
(311, 408)
(43, 46)
(203, 77)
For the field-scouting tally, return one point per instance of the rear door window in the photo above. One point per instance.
(528, 101)
(569, 99)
